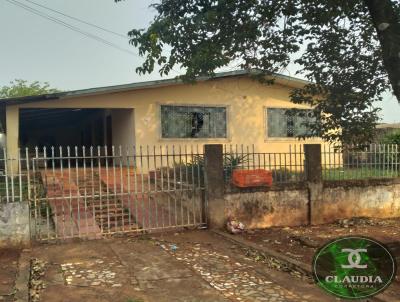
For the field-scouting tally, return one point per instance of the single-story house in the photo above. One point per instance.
(230, 108)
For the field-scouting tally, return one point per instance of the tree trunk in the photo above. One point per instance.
(387, 24)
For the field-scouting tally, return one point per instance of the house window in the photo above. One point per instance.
(288, 122)
(193, 122)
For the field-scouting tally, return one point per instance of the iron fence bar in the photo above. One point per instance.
(92, 187)
(142, 186)
(100, 191)
(78, 200)
(122, 187)
(128, 176)
(149, 220)
(156, 196)
(20, 174)
(199, 184)
(54, 187)
(85, 182)
(162, 186)
(6, 173)
(136, 185)
(114, 189)
(180, 181)
(70, 192)
(62, 195)
(107, 189)
(175, 187)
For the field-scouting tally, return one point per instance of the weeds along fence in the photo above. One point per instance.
(355, 162)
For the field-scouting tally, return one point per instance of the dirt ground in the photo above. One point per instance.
(189, 266)
(8, 270)
(301, 243)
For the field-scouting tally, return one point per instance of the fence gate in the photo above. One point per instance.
(91, 192)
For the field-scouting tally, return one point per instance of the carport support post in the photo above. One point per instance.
(313, 174)
(12, 137)
(214, 185)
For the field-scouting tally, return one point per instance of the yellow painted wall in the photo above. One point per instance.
(245, 99)
(123, 128)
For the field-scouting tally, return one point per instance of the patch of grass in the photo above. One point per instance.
(358, 173)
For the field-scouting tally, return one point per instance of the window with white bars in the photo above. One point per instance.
(193, 122)
(283, 122)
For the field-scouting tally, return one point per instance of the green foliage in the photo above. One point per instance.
(20, 88)
(334, 43)
(392, 138)
(233, 161)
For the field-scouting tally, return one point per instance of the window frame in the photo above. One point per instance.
(282, 139)
(224, 139)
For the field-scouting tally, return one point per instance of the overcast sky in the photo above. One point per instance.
(34, 48)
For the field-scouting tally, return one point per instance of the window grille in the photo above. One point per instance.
(193, 122)
(288, 122)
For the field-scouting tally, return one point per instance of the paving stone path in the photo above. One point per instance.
(99, 272)
(237, 281)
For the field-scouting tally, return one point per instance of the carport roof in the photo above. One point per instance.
(283, 79)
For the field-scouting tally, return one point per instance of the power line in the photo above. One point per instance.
(77, 19)
(74, 28)
(67, 25)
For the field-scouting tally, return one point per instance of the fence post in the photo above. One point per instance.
(313, 162)
(313, 174)
(214, 185)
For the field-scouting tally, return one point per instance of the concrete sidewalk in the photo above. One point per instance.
(118, 270)
(189, 266)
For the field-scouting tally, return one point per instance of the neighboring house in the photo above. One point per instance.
(231, 108)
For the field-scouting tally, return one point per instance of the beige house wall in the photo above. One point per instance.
(123, 128)
(245, 99)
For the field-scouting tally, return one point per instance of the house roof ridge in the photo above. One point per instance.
(141, 85)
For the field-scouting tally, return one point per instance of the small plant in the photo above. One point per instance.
(233, 161)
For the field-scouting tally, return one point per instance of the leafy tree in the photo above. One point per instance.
(348, 49)
(20, 88)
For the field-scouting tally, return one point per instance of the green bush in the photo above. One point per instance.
(392, 138)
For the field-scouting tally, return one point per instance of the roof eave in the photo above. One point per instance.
(279, 78)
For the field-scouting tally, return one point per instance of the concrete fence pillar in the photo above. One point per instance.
(313, 162)
(313, 175)
(214, 185)
(12, 138)
(14, 224)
